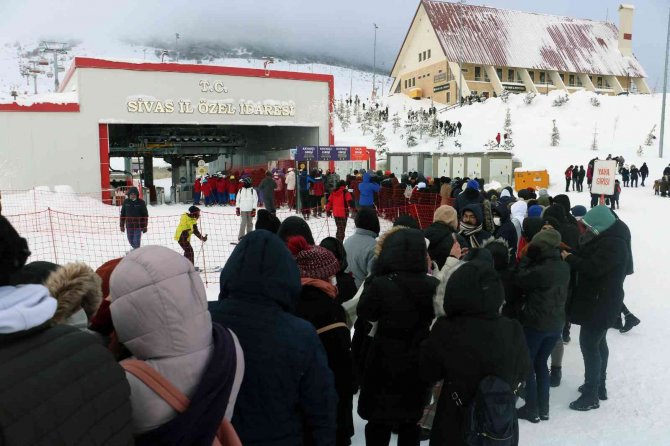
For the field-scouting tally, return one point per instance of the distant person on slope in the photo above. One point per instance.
(644, 172)
(134, 217)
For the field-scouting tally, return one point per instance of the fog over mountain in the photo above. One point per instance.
(339, 32)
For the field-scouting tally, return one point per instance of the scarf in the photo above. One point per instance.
(218, 388)
(329, 289)
(471, 231)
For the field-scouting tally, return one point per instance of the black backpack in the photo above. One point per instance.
(490, 418)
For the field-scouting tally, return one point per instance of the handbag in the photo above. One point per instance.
(225, 435)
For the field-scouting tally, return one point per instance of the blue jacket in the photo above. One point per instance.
(367, 190)
(288, 388)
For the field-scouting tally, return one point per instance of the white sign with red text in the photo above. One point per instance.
(604, 174)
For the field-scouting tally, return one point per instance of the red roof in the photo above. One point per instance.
(501, 37)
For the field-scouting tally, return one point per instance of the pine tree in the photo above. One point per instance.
(640, 151)
(595, 102)
(594, 143)
(504, 96)
(424, 124)
(651, 137)
(530, 96)
(410, 137)
(380, 139)
(395, 122)
(508, 123)
(345, 121)
(555, 135)
(434, 127)
(366, 122)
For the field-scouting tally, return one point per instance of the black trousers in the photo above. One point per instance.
(567, 184)
(186, 246)
(341, 223)
(593, 343)
(379, 434)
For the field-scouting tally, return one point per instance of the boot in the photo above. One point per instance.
(602, 391)
(556, 376)
(618, 325)
(631, 321)
(544, 411)
(584, 403)
(528, 413)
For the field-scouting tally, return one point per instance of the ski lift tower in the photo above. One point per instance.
(55, 48)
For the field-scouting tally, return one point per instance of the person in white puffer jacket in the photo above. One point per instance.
(245, 204)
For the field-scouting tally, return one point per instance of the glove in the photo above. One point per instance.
(253, 213)
(144, 231)
(123, 229)
(204, 238)
(329, 213)
(237, 211)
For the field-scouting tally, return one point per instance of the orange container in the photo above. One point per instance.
(537, 179)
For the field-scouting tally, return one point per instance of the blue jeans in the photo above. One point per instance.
(540, 346)
(134, 237)
(196, 197)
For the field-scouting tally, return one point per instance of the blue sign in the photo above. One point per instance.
(309, 153)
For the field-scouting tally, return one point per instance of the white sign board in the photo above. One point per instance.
(604, 173)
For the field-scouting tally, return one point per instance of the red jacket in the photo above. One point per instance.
(213, 183)
(222, 185)
(338, 202)
(197, 187)
(206, 188)
(232, 186)
(318, 187)
(568, 173)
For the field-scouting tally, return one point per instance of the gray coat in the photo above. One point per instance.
(360, 249)
(159, 309)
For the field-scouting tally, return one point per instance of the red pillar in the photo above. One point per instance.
(103, 131)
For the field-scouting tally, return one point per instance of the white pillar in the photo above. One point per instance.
(626, 30)
(586, 82)
(641, 85)
(495, 80)
(527, 81)
(558, 82)
(614, 84)
(456, 72)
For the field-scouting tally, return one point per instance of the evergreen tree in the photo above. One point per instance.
(345, 121)
(424, 124)
(530, 96)
(594, 143)
(410, 137)
(379, 139)
(434, 127)
(555, 135)
(651, 137)
(508, 123)
(395, 122)
(366, 122)
(504, 96)
(595, 102)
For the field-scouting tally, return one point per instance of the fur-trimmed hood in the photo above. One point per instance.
(75, 286)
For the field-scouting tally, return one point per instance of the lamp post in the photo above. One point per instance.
(374, 62)
(460, 68)
(665, 90)
(176, 46)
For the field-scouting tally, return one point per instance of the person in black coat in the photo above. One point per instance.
(472, 226)
(544, 279)
(134, 217)
(601, 264)
(318, 304)
(569, 231)
(634, 175)
(440, 234)
(504, 228)
(398, 297)
(346, 285)
(59, 385)
(470, 195)
(471, 342)
(644, 172)
(288, 390)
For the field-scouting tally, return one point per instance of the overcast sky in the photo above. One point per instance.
(341, 28)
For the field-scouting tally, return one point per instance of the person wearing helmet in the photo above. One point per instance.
(245, 207)
(188, 225)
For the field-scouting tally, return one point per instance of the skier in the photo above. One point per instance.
(134, 217)
(245, 204)
(189, 225)
(644, 172)
(498, 139)
(568, 178)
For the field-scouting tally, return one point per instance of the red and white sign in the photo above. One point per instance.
(604, 174)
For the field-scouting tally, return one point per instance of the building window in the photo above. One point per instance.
(562, 76)
(424, 55)
(428, 54)
(543, 77)
(499, 73)
(420, 57)
(579, 81)
(478, 73)
(600, 82)
(571, 80)
(532, 76)
(510, 75)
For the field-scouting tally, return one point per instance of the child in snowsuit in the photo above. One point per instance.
(189, 225)
(232, 190)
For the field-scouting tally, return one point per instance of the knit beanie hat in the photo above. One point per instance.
(544, 200)
(531, 226)
(367, 219)
(34, 273)
(547, 239)
(13, 251)
(407, 221)
(473, 184)
(535, 211)
(578, 211)
(543, 193)
(446, 214)
(551, 221)
(314, 262)
(268, 221)
(599, 219)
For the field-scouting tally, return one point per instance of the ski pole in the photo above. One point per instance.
(204, 256)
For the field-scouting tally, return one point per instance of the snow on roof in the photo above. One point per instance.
(43, 98)
(501, 37)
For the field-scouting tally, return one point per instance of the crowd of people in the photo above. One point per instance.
(449, 320)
